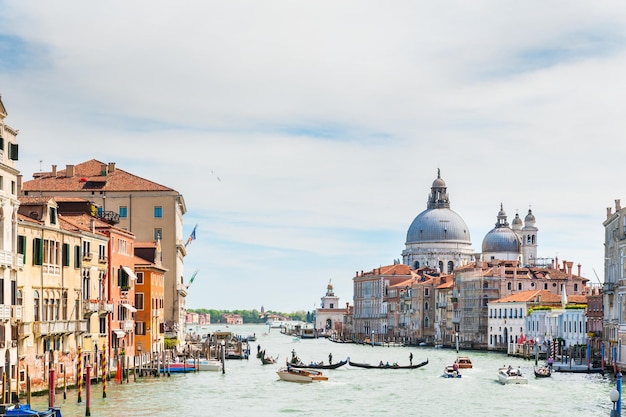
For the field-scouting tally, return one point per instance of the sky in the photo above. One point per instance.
(305, 135)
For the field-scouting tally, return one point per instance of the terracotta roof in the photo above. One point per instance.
(92, 175)
(403, 284)
(542, 297)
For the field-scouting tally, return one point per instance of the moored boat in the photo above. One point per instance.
(300, 375)
(510, 375)
(387, 365)
(24, 410)
(205, 364)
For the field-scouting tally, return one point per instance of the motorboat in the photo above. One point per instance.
(510, 375)
(300, 375)
(206, 364)
(464, 362)
(451, 371)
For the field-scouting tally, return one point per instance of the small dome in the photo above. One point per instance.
(530, 217)
(517, 221)
(501, 239)
(439, 183)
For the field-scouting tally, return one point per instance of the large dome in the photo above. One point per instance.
(501, 239)
(438, 225)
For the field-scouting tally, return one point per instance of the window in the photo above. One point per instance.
(86, 280)
(66, 254)
(13, 151)
(123, 211)
(53, 215)
(37, 251)
(140, 328)
(139, 277)
(158, 212)
(158, 234)
(12, 187)
(36, 306)
(102, 253)
(77, 257)
(87, 249)
(139, 301)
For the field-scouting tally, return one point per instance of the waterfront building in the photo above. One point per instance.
(369, 318)
(400, 311)
(438, 237)
(149, 298)
(329, 317)
(50, 289)
(614, 287)
(11, 262)
(445, 331)
(148, 210)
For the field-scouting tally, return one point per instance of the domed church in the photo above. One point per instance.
(512, 243)
(438, 237)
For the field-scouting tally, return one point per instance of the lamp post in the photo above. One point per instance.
(372, 340)
(614, 396)
(223, 356)
(456, 337)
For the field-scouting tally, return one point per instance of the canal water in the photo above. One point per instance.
(248, 388)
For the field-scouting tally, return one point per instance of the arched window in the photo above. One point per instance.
(509, 286)
(416, 265)
(441, 266)
(519, 286)
(450, 267)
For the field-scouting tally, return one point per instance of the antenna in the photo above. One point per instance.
(597, 277)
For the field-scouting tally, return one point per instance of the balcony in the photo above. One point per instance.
(6, 259)
(128, 325)
(110, 217)
(105, 308)
(91, 306)
(44, 328)
(5, 312)
(23, 330)
(18, 312)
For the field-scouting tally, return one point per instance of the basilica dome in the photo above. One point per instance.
(436, 225)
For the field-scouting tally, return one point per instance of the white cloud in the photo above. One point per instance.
(326, 122)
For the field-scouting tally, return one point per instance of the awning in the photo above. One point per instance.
(119, 333)
(130, 308)
(130, 272)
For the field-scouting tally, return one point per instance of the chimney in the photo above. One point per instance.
(93, 226)
(69, 171)
(111, 167)
(618, 206)
(54, 170)
(569, 269)
(608, 212)
(579, 266)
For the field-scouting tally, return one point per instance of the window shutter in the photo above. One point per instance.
(37, 252)
(13, 151)
(66, 254)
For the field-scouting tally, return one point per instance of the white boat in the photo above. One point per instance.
(300, 375)
(509, 375)
(206, 364)
(450, 372)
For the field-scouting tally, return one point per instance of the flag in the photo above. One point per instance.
(192, 277)
(192, 236)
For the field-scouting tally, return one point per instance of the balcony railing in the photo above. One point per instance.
(91, 306)
(6, 258)
(18, 312)
(5, 312)
(60, 327)
(23, 330)
(128, 325)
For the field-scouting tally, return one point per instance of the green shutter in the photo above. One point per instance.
(13, 151)
(37, 251)
(77, 257)
(66, 254)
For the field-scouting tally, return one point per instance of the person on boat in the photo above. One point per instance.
(455, 366)
(330, 358)
(381, 364)
(411, 358)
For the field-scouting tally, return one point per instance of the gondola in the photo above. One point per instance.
(266, 360)
(319, 365)
(542, 372)
(387, 365)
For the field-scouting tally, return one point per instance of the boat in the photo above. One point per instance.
(543, 372)
(387, 365)
(319, 365)
(464, 362)
(178, 367)
(451, 371)
(204, 364)
(300, 375)
(267, 360)
(24, 410)
(510, 375)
